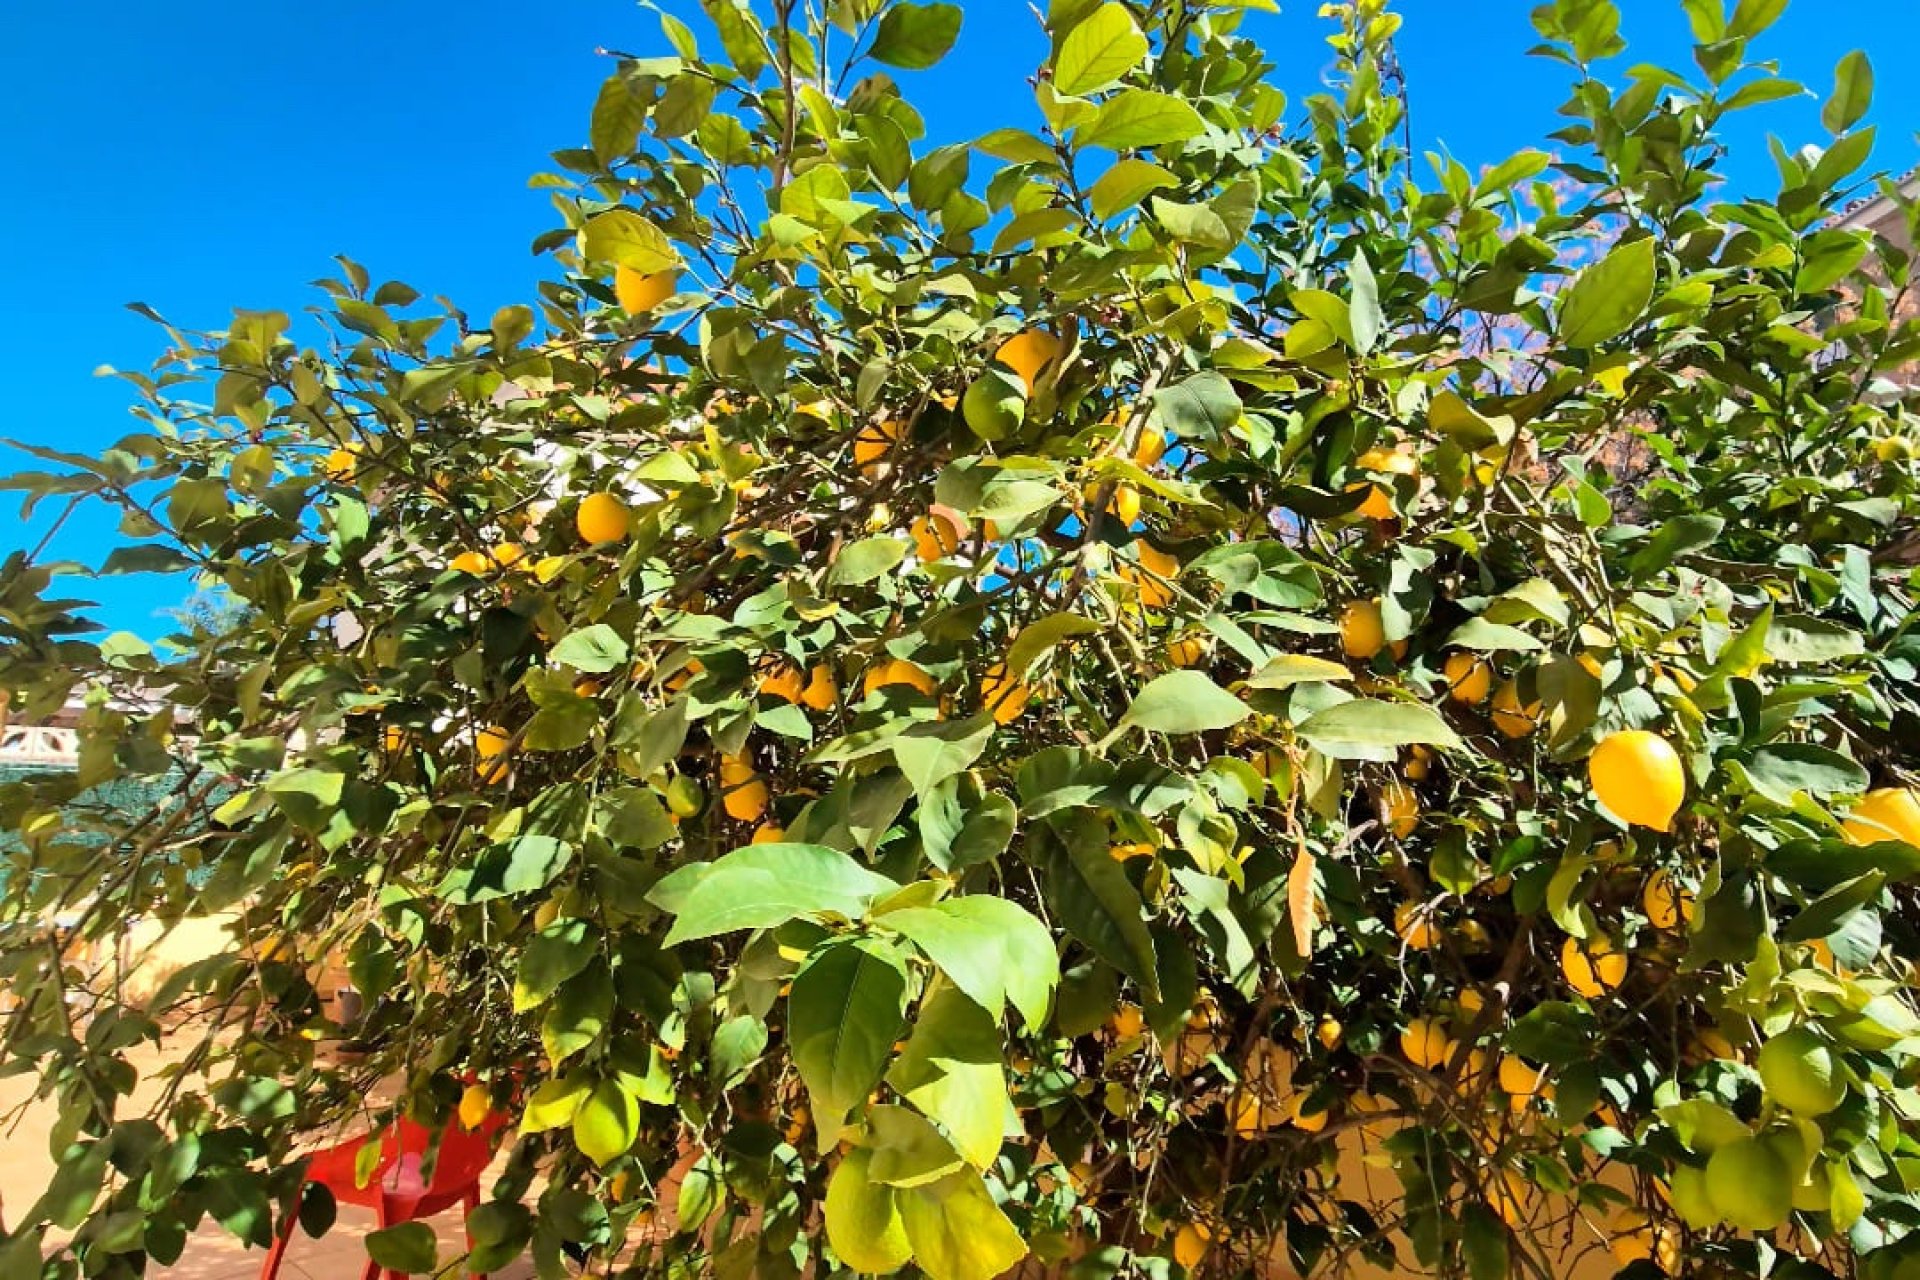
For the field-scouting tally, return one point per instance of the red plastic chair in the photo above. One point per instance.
(399, 1189)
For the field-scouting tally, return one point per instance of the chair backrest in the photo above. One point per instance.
(462, 1155)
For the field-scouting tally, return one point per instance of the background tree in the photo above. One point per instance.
(1037, 698)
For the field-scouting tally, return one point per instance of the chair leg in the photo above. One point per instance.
(468, 1203)
(372, 1271)
(275, 1255)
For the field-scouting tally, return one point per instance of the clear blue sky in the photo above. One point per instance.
(199, 157)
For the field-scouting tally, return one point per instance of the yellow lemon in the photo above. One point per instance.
(602, 518)
(1638, 777)
(1424, 1042)
(1156, 571)
(781, 679)
(490, 753)
(1592, 970)
(1306, 1115)
(1186, 651)
(1005, 697)
(873, 443)
(1028, 353)
(1519, 1078)
(820, 693)
(1379, 500)
(1415, 927)
(476, 1104)
(1668, 903)
(1328, 1033)
(342, 463)
(1469, 678)
(1890, 813)
(936, 536)
(892, 671)
(1399, 808)
(1190, 1244)
(1127, 1022)
(641, 291)
(474, 563)
(743, 793)
(769, 833)
(1363, 634)
(1419, 763)
(1510, 716)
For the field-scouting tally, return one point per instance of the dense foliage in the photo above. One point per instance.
(1180, 689)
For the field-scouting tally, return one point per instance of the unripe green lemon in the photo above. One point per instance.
(863, 1219)
(1688, 1191)
(684, 797)
(1801, 1074)
(994, 406)
(1750, 1184)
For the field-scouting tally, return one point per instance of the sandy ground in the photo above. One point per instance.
(212, 1254)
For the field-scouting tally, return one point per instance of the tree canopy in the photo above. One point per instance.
(1177, 690)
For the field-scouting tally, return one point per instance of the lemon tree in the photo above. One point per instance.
(1169, 689)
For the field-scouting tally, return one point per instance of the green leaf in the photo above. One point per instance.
(1455, 418)
(740, 34)
(1784, 769)
(595, 649)
(1042, 635)
(1126, 184)
(1202, 407)
(1364, 729)
(1852, 93)
(555, 954)
(1826, 914)
(1363, 312)
(865, 560)
(951, 1071)
(618, 114)
(961, 826)
(957, 1232)
(1289, 669)
(625, 239)
(1751, 17)
(907, 1150)
(522, 865)
(1183, 702)
(847, 1007)
(1606, 298)
(1491, 637)
(737, 1045)
(1094, 901)
(929, 754)
(1195, 224)
(1142, 118)
(1483, 1239)
(916, 36)
(410, 1248)
(1672, 540)
(1104, 46)
(607, 1123)
(765, 885)
(993, 950)
(1813, 641)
